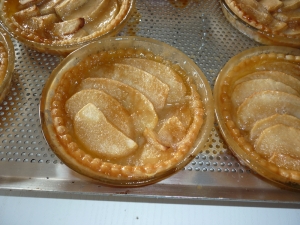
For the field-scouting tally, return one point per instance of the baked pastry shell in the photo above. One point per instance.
(5, 84)
(64, 48)
(279, 176)
(255, 34)
(157, 48)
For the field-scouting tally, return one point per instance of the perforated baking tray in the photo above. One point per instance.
(196, 27)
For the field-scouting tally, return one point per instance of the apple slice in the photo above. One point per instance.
(285, 67)
(48, 6)
(43, 22)
(172, 132)
(109, 10)
(290, 5)
(295, 31)
(291, 16)
(150, 154)
(285, 161)
(100, 137)
(89, 11)
(247, 88)
(271, 5)
(139, 107)
(24, 2)
(66, 7)
(115, 113)
(280, 139)
(264, 104)
(155, 90)
(163, 73)
(68, 27)
(25, 14)
(274, 75)
(262, 124)
(153, 139)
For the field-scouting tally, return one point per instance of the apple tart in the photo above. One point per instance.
(7, 59)
(123, 112)
(61, 26)
(271, 22)
(257, 97)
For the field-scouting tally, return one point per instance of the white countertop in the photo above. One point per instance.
(31, 208)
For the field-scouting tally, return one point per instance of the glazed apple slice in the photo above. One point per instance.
(25, 14)
(155, 90)
(248, 88)
(285, 67)
(274, 75)
(153, 139)
(271, 5)
(290, 5)
(89, 11)
(285, 161)
(43, 22)
(280, 139)
(294, 31)
(262, 124)
(66, 7)
(292, 16)
(68, 27)
(115, 113)
(24, 2)
(264, 104)
(162, 72)
(48, 6)
(100, 137)
(104, 17)
(139, 107)
(172, 132)
(257, 11)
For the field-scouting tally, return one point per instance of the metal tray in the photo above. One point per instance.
(200, 30)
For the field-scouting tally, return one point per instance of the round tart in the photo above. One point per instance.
(7, 60)
(257, 104)
(61, 26)
(127, 111)
(270, 22)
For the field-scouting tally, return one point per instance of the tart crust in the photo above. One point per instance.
(268, 22)
(137, 167)
(44, 40)
(239, 139)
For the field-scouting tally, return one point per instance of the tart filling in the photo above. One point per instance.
(126, 115)
(63, 22)
(259, 105)
(270, 16)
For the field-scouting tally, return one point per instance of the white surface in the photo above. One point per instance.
(44, 211)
